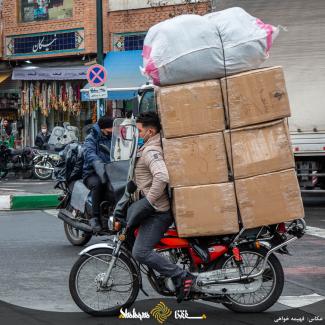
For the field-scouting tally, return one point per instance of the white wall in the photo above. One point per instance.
(115, 5)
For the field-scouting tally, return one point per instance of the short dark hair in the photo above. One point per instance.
(105, 122)
(150, 119)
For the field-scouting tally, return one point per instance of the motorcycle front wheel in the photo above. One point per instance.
(75, 236)
(87, 291)
(43, 174)
(272, 281)
(3, 173)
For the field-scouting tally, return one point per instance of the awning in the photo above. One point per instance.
(123, 72)
(4, 76)
(50, 73)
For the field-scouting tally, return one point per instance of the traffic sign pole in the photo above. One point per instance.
(100, 48)
(97, 76)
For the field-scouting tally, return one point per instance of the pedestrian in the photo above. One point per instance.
(7, 127)
(42, 138)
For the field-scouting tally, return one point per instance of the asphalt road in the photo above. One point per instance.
(20, 186)
(36, 260)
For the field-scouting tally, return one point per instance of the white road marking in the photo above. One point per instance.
(4, 202)
(315, 231)
(11, 189)
(52, 212)
(300, 301)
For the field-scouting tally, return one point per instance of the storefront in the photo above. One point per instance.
(9, 97)
(9, 106)
(52, 96)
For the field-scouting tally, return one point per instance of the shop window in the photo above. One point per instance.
(128, 42)
(38, 10)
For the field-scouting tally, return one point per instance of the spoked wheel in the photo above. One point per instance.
(41, 173)
(75, 237)
(272, 282)
(3, 169)
(86, 287)
(3, 173)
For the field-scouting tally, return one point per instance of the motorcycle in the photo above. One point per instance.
(16, 160)
(75, 208)
(240, 271)
(44, 163)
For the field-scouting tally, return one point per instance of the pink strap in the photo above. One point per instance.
(150, 67)
(146, 51)
(269, 32)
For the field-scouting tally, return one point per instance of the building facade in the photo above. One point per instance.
(128, 21)
(49, 45)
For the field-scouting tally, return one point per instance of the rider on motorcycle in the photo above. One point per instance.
(152, 210)
(94, 176)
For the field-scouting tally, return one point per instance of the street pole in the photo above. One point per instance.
(100, 47)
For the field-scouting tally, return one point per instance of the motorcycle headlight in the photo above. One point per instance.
(55, 157)
(111, 222)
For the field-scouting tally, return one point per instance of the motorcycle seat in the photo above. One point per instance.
(16, 152)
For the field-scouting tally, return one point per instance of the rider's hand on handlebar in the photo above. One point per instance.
(138, 211)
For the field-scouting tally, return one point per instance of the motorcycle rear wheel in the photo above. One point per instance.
(272, 285)
(84, 281)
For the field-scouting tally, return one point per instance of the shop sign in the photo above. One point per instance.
(97, 93)
(45, 43)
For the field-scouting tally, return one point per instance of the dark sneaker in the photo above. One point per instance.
(94, 224)
(183, 285)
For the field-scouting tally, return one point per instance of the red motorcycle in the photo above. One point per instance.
(239, 271)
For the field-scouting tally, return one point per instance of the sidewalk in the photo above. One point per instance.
(27, 194)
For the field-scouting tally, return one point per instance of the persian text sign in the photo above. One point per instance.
(116, 5)
(97, 93)
(45, 43)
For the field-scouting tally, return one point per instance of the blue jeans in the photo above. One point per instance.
(150, 232)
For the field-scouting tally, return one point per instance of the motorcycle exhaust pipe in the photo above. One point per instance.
(67, 217)
(43, 167)
(203, 283)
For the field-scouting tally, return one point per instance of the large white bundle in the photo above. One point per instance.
(246, 39)
(192, 48)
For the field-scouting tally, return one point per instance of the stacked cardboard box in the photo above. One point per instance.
(234, 125)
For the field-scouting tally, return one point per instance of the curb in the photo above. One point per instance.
(28, 201)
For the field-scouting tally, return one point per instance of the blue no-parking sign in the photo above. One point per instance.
(96, 75)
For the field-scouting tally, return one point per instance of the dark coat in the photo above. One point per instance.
(92, 151)
(41, 140)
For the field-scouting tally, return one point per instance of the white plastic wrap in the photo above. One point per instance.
(192, 48)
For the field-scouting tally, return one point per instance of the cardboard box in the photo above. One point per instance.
(196, 160)
(205, 210)
(269, 199)
(260, 149)
(190, 109)
(255, 96)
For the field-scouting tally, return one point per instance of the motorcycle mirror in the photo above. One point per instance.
(131, 187)
(104, 148)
